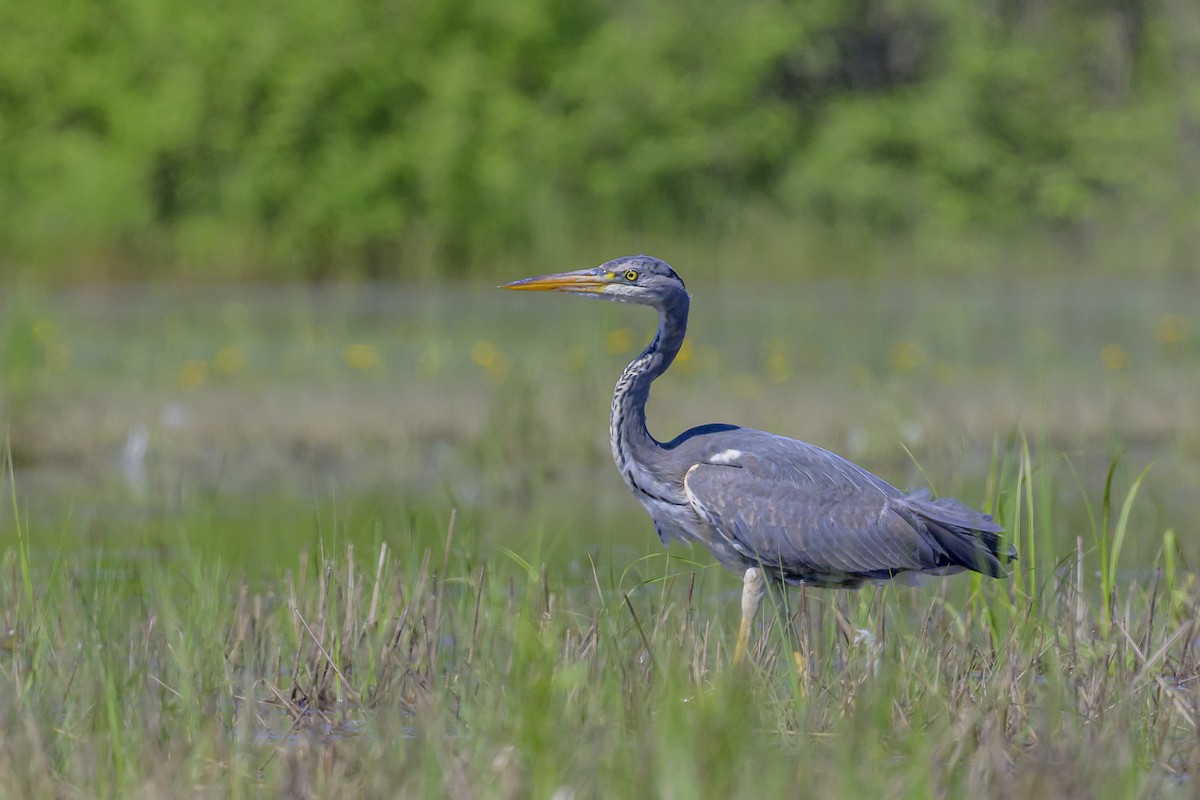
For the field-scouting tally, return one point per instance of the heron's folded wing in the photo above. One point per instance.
(815, 524)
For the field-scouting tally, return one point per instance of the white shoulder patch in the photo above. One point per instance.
(725, 457)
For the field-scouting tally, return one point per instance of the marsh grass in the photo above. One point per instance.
(437, 664)
(203, 636)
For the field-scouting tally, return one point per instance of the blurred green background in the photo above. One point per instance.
(249, 250)
(368, 138)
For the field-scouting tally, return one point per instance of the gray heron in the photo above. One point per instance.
(765, 506)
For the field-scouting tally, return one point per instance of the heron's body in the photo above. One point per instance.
(762, 503)
(739, 502)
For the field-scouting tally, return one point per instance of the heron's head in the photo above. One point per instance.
(632, 279)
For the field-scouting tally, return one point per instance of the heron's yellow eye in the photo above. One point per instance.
(631, 275)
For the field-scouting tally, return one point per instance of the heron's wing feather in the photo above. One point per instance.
(807, 511)
(816, 527)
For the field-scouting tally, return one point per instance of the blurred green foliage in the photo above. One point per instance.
(302, 138)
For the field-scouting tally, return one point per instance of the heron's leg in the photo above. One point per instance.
(753, 589)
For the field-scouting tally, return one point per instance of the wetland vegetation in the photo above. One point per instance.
(364, 539)
(347, 541)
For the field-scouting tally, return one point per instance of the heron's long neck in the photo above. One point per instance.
(632, 445)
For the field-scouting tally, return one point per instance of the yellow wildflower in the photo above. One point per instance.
(1172, 329)
(229, 360)
(685, 361)
(362, 357)
(485, 355)
(776, 364)
(1113, 357)
(45, 331)
(618, 341)
(906, 355)
(193, 373)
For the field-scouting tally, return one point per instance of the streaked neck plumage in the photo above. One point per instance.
(633, 448)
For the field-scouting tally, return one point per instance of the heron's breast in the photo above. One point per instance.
(684, 524)
(672, 520)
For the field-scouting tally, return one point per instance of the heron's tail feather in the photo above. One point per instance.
(970, 538)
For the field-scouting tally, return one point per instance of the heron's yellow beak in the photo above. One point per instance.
(583, 281)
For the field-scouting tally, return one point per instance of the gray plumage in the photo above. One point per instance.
(756, 500)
